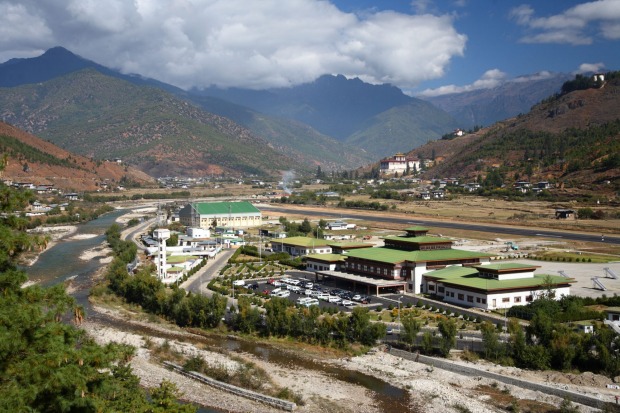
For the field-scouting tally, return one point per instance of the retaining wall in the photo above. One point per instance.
(472, 371)
(249, 394)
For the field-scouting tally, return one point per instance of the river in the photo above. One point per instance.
(61, 262)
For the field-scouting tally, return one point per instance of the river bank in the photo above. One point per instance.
(430, 389)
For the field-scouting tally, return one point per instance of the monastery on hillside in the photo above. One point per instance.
(399, 164)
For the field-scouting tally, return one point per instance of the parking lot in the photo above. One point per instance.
(299, 287)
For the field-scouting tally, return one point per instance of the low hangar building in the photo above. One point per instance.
(220, 214)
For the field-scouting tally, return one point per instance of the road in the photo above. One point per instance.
(408, 221)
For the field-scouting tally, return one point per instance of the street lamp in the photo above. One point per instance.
(399, 325)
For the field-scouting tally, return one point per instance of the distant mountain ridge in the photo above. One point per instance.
(381, 119)
(297, 141)
(483, 107)
(103, 117)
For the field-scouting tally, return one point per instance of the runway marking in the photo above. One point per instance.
(548, 235)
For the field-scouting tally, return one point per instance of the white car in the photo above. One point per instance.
(284, 293)
(293, 288)
(286, 280)
(347, 303)
(323, 296)
(238, 283)
(275, 291)
(312, 301)
(278, 283)
(357, 297)
(334, 299)
(309, 285)
(303, 300)
(315, 294)
(308, 292)
(294, 282)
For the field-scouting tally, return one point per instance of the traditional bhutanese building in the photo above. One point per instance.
(220, 214)
(398, 163)
(494, 286)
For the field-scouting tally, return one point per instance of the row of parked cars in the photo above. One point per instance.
(313, 292)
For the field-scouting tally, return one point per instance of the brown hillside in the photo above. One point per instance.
(469, 156)
(87, 175)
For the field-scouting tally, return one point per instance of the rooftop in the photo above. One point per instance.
(327, 257)
(419, 240)
(301, 242)
(392, 256)
(223, 208)
(489, 285)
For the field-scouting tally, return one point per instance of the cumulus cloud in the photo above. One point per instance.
(490, 79)
(577, 25)
(230, 43)
(589, 68)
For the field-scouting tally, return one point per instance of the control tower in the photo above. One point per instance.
(161, 235)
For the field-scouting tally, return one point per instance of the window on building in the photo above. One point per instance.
(440, 289)
(517, 299)
(461, 297)
(505, 299)
(431, 287)
(484, 301)
(470, 298)
(478, 300)
(529, 298)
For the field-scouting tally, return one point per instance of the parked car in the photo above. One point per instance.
(334, 299)
(308, 292)
(278, 283)
(275, 291)
(238, 283)
(309, 285)
(253, 286)
(347, 303)
(310, 302)
(323, 296)
(283, 293)
(356, 297)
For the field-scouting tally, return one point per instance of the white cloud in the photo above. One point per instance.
(577, 25)
(490, 79)
(590, 68)
(229, 43)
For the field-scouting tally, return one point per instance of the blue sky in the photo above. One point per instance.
(423, 46)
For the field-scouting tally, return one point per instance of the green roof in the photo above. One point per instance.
(345, 245)
(416, 228)
(300, 241)
(391, 255)
(176, 259)
(487, 284)
(507, 266)
(327, 257)
(419, 240)
(224, 208)
(449, 273)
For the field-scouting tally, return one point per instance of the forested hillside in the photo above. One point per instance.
(51, 366)
(30, 159)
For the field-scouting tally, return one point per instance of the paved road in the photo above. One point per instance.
(408, 221)
(197, 283)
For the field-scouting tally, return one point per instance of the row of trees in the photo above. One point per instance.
(281, 317)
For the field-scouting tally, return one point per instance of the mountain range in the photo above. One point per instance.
(333, 122)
